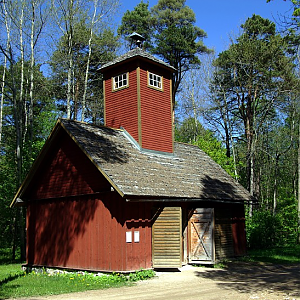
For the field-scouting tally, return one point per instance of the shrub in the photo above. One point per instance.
(265, 230)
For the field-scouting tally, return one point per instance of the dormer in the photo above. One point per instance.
(138, 97)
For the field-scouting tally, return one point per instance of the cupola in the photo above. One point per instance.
(138, 97)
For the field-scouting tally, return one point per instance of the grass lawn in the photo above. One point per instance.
(286, 255)
(15, 283)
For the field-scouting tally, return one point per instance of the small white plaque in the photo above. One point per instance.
(128, 237)
(136, 236)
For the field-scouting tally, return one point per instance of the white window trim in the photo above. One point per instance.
(155, 81)
(120, 81)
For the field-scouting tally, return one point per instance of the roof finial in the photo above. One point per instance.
(136, 40)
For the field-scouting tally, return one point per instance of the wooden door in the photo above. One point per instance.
(166, 238)
(201, 235)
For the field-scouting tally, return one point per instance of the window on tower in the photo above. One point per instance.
(155, 80)
(120, 81)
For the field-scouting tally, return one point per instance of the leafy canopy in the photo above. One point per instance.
(170, 32)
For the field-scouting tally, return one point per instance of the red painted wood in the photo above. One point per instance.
(69, 234)
(64, 173)
(83, 231)
(156, 112)
(121, 107)
(238, 230)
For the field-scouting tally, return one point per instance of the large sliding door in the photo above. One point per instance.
(166, 238)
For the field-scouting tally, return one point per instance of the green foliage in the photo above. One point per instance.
(188, 130)
(253, 80)
(15, 283)
(196, 134)
(33, 137)
(141, 275)
(171, 26)
(103, 47)
(266, 230)
(139, 20)
(214, 148)
(261, 229)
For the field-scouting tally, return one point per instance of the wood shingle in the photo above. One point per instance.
(188, 173)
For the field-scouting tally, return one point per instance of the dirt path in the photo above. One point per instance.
(240, 281)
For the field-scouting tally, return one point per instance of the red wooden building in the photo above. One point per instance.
(125, 196)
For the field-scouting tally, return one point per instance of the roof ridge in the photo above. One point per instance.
(133, 53)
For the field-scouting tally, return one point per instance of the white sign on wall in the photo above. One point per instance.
(128, 237)
(136, 236)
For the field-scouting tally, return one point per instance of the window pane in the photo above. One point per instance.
(155, 80)
(120, 81)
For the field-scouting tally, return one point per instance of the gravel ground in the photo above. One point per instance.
(239, 281)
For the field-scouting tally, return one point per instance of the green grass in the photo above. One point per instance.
(15, 283)
(284, 255)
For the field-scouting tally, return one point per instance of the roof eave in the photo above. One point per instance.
(129, 59)
(139, 198)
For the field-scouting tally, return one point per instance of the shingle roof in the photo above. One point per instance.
(135, 53)
(188, 174)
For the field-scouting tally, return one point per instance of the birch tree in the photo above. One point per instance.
(68, 14)
(38, 19)
(102, 11)
(7, 23)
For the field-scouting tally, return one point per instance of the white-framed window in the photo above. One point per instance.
(120, 81)
(155, 80)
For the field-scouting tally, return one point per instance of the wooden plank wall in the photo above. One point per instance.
(77, 222)
(89, 234)
(223, 233)
(121, 107)
(156, 112)
(166, 238)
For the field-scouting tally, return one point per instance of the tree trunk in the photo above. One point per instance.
(18, 122)
(275, 183)
(4, 67)
(70, 69)
(32, 62)
(299, 184)
(2, 100)
(88, 63)
(194, 112)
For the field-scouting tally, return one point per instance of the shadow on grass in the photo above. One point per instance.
(3, 291)
(283, 255)
(10, 278)
(246, 277)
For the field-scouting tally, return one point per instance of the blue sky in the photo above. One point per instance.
(222, 18)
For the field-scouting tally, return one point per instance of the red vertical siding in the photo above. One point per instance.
(121, 107)
(85, 226)
(89, 234)
(65, 173)
(156, 115)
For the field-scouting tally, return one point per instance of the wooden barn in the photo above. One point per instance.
(125, 196)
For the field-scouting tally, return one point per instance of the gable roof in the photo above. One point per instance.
(137, 52)
(188, 175)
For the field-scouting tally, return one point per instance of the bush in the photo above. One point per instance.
(265, 230)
